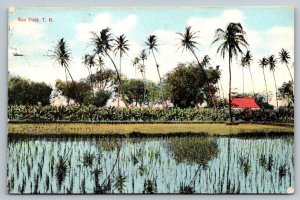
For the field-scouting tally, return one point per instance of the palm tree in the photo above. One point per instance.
(135, 63)
(103, 46)
(62, 56)
(285, 57)
(89, 62)
(232, 40)
(245, 62)
(188, 43)
(151, 43)
(121, 46)
(100, 63)
(272, 65)
(263, 64)
(142, 68)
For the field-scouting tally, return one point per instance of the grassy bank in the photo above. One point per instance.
(56, 129)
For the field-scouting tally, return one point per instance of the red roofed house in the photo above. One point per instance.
(245, 102)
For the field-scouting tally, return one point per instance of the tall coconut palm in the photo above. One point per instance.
(232, 39)
(263, 64)
(285, 58)
(188, 43)
(121, 45)
(246, 62)
(151, 43)
(135, 63)
(89, 62)
(142, 68)
(100, 63)
(272, 66)
(62, 56)
(103, 45)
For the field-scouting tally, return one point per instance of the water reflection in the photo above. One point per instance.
(157, 165)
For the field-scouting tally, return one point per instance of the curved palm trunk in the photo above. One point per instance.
(209, 90)
(229, 94)
(222, 89)
(266, 85)
(160, 84)
(118, 75)
(275, 88)
(243, 82)
(70, 74)
(251, 80)
(68, 100)
(289, 72)
(119, 81)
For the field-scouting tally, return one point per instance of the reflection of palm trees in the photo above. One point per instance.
(121, 46)
(263, 64)
(194, 151)
(187, 42)
(232, 39)
(285, 58)
(272, 65)
(152, 46)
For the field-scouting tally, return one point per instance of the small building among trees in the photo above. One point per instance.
(244, 102)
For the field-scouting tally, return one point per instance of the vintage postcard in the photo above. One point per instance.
(166, 100)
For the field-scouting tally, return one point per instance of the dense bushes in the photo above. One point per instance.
(92, 113)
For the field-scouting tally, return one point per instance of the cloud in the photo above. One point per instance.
(104, 20)
(33, 30)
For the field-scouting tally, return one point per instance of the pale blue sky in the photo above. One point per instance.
(268, 30)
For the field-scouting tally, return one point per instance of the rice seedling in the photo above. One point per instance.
(150, 186)
(88, 159)
(120, 182)
(61, 170)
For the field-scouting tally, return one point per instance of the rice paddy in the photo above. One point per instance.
(150, 165)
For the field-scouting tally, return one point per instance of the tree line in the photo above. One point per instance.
(188, 85)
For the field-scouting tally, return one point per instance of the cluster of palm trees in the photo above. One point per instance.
(231, 41)
(271, 62)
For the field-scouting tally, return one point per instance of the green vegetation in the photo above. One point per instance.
(57, 129)
(77, 113)
(25, 92)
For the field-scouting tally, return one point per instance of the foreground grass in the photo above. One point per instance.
(148, 129)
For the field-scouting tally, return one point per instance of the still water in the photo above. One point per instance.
(153, 165)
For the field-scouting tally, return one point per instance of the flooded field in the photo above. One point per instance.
(153, 165)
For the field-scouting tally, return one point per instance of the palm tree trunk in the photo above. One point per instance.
(68, 100)
(160, 84)
(275, 88)
(243, 82)
(222, 89)
(144, 80)
(289, 72)
(229, 94)
(266, 85)
(206, 81)
(118, 75)
(119, 82)
(251, 80)
(70, 74)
